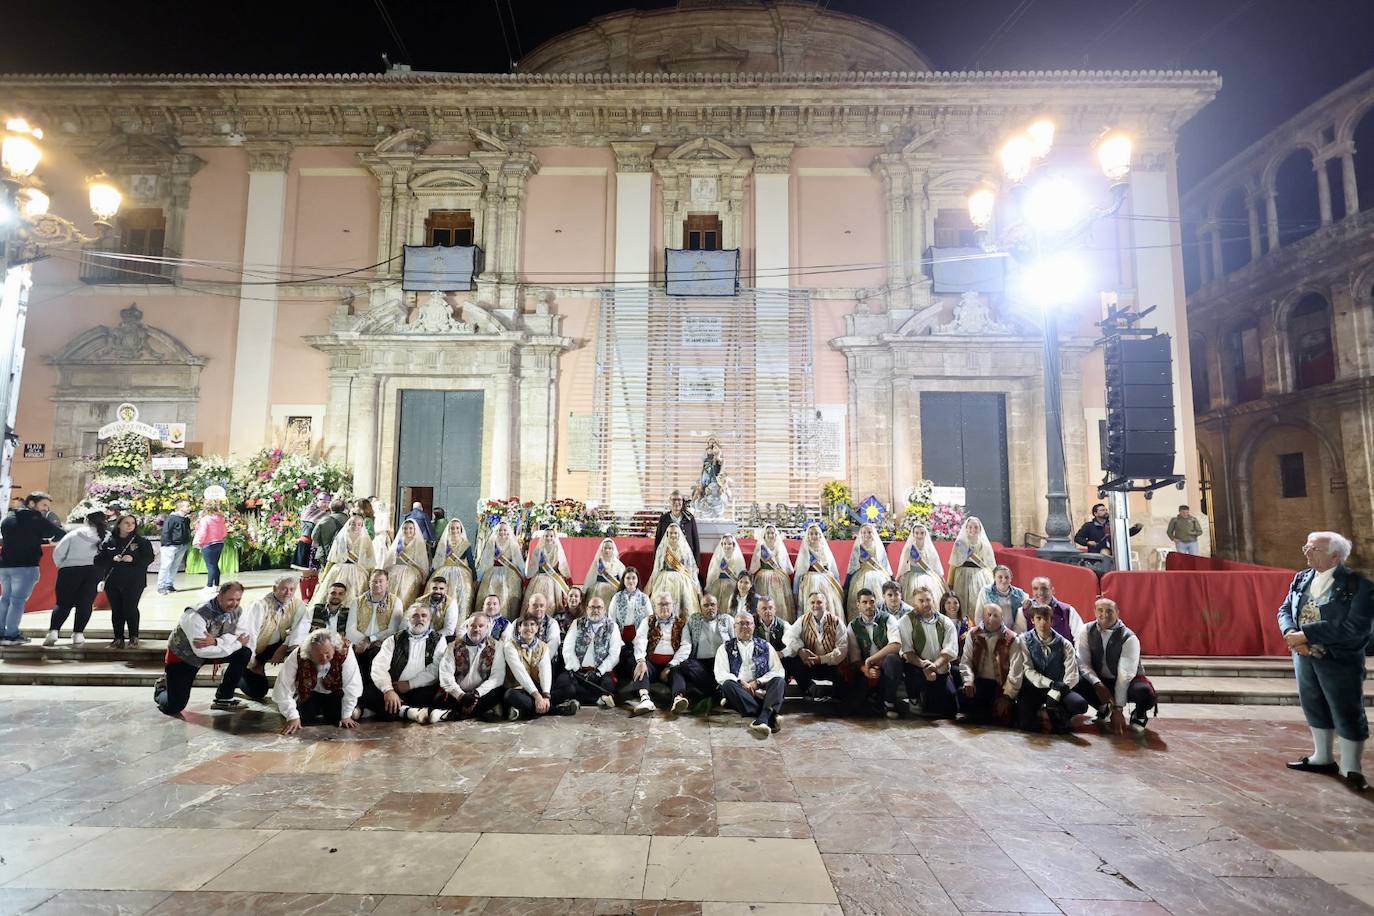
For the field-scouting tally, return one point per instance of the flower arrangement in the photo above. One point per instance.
(124, 454)
(920, 504)
(567, 516)
(945, 522)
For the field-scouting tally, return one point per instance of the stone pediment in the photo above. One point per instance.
(433, 316)
(129, 342)
(704, 148)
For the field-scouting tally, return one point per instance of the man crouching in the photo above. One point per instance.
(319, 681)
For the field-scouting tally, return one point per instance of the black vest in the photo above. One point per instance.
(400, 652)
(319, 618)
(1107, 657)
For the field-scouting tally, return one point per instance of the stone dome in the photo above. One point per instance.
(726, 36)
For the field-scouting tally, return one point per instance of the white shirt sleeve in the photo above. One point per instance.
(792, 638)
(966, 659)
(774, 667)
(447, 682)
(950, 649)
(723, 666)
(612, 657)
(497, 679)
(352, 685)
(1070, 665)
(300, 627)
(1085, 658)
(684, 651)
(381, 665)
(351, 631)
(841, 649)
(1017, 670)
(517, 668)
(1075, 623)
(284, 690)
(1127, 668)
(642, 640)
(430, 673)
(555, 637)
(904, 636)
(570, 659)
(193, 625)
(546, 672)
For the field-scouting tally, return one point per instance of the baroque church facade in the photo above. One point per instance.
(256, 290)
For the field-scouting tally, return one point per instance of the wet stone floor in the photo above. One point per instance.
(106, 806)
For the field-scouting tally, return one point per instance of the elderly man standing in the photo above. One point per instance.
(404, 675)
(268, 621)
(591, 651)
(1326, 621)
(320, 680)
(473, 672)
(212, 632)
(1109, 660)
(814, 645)
(751, 678)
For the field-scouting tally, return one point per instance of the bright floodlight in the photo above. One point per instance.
(1055, 204)
(105, 199)
(1114, 155)
(1041, 135)
(1017, 155)
(20, 152)
(1054, 280)
(33, 203)
(980, 206)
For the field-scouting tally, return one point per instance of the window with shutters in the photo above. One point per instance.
(701, 232)
(954, 229)
(449, 228)
(135, 252)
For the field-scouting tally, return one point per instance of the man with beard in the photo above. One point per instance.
(814, 645)
(591, 650)
(402, 681)
(472, 673)
(331, 614)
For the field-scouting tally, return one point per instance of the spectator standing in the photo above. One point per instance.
(23, 533)
(176, 541)
(1184, 531)
(211, 530)
(125, 555)
(78, 577)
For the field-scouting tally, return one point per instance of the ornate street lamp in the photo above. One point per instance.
(26, 227)
(1055, 213)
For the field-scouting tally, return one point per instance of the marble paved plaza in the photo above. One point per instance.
(108, 807)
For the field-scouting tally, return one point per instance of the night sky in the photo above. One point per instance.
(1275, 56)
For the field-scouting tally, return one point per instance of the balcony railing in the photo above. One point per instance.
(108, 260)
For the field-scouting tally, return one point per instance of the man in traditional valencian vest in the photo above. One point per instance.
(873, 658)
(814, 645)
(1326, 621)
(443, 610)
(472, 673)
(530, 690)
(707, 630)
(768, 625)
(268, 621)
(402, 682)
(319, 681)
(1043, 672)
(374, 616)
(660, 652)
(986, 662)
(497, 622)
(1064, 618)
(546, 628)
(331, 614)
(1109, 660)
(591, 650)
(930, 642)
(629, 607)
(211, 633)
(751, 678)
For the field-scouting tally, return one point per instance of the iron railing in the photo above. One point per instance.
(108, 260)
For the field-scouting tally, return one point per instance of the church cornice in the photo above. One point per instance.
(537, 108)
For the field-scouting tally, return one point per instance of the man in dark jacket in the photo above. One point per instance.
(1326, 621)
(678, 515)
(420, 517)
(176, 541)
(23, 533)
(323, 536)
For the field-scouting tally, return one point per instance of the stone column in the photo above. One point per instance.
(919, 294)
(538, 423)
(503, 409)
(363, 441)
(1252, 212)
(1204, 255)
(629, 325)
(251, 406)
(1323, 191)
(1271, 218)
(772, 261)
(1218, 262)
(1158, 271)
(894, 173)
(1352, 194)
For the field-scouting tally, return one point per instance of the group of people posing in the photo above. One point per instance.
(498, 634)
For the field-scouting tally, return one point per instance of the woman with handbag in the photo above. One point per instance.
(125, 555)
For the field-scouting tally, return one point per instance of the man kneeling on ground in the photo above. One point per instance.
(212, 632)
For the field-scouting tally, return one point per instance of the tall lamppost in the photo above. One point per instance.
(1053, 215)
(26, 227)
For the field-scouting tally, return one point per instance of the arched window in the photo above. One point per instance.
(1364, 160)
(1233, 225)
(1197, 365)
(1245, 355)
(1309, 340)
(1296, 186)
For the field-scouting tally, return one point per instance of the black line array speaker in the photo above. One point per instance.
(1140, 407)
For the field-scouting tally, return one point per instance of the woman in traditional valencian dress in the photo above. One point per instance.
(351, 559)
(722, 577)
(970, 564)
(381, 529)
(500, 571)
(772, 569)
(868, 568)
(920, 565)
(604, 575)
(817, 571)
(546, 571)
(453, 559)
(675, 572)
(408, 564)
